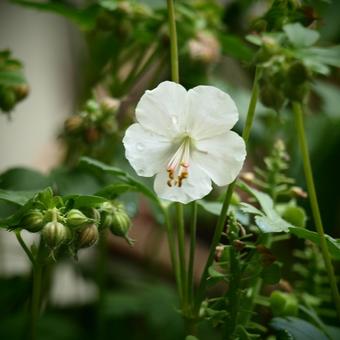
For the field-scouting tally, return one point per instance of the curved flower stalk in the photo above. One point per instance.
(184, 138)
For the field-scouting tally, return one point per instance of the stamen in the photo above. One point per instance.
(179, 164)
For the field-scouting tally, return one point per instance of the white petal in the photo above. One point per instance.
(211, 112)
(162, 109)
(147, 152)
(196, 186)
(221, 157)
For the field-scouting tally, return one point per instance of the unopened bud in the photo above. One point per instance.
(7, 99)
(21, 91)
(204, 47)
(297, 191)
(76, 218)
(121, 222)
(55, 234)
(110, 104)
(73, 124)
(33, 221)
(88, 236)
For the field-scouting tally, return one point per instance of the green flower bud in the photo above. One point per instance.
(283, 304)
(7, 99)
(76, 218)
(295, 215)
(297, 73)
(272, 97)
(55, 234)
(21, 91)
(33, 221)
(121, 222)
(87, 236)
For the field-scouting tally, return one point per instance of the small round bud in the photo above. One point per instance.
(7, 99)
(33, 221)
(283, 304)
(55, 234)
(110, 104)
(121, 222)
(73, 124)
(87, 236)
(295, 215)
(204, 48)
(76, 218)
(21, 91)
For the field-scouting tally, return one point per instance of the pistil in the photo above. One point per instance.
(179, 164)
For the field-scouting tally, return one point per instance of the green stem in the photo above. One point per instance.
(173, 42)
(35, 300)
(101, 282)
(172, 249)
(297, 108)
(233, 293)
(193, 228)
(181, 252)
(24, 247)
(222, 217)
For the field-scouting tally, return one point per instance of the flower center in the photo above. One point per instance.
(179, 164)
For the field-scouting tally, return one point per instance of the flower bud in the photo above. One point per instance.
(295, 216)
(204, 48)
(33, 221)
(73, 124)
(7, 99)
(283, 304)
(272, 97)
(87, 236)
(121, 222)
(110, 104)
(55, 234)
(21, 91)
(76, 218)
(92, 135)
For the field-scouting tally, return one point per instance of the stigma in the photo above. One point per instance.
(178, 167)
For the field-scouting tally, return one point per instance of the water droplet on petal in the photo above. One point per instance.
(141, 172)
(174, 120)
(140, 147)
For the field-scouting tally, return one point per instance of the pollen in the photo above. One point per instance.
(178, 167)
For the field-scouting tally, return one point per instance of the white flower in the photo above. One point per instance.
(184, 138)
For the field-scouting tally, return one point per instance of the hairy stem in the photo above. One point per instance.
(297, 108)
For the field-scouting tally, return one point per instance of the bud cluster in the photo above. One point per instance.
(13, 86)
(75, 228)
(92, 132)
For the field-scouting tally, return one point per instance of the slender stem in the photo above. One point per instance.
(223, 215)
(181, 251)
(173, 41)
(102, 262)
(35, 300)
(172, 249)
(297, 108)
(193, 228)
(24, 247)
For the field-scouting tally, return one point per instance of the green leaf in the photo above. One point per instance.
(333, 244)
(116, 189)
(24, 179)
(85, 201)
(122, 175)
(16, 197)
(299, 329)
(84, 18)
(235, 47)
(301, 36)
(211, 207)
